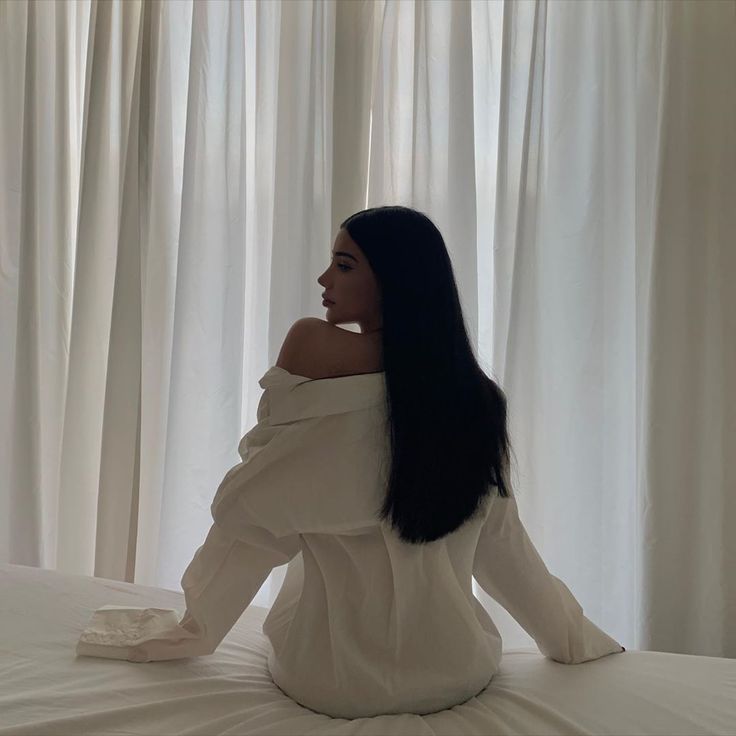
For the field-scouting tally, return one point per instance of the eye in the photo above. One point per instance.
(344, 268)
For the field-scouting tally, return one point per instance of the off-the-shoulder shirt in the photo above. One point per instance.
(364, 624)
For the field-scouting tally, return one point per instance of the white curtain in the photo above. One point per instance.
(614, 308)
(172, 177)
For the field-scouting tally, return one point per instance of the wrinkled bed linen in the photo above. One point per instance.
(46, 690)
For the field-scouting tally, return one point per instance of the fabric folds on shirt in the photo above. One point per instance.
(364, 624)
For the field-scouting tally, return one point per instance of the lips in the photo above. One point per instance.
(329, 301)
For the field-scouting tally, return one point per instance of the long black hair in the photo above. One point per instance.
(446, 418)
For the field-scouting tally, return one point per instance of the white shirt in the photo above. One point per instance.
(364, 624)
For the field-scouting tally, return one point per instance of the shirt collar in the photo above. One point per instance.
(292, 397)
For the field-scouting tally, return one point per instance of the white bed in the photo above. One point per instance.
(46, 689)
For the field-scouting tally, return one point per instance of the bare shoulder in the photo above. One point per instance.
(315, 348)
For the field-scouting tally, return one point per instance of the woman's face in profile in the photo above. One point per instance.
(350, 285)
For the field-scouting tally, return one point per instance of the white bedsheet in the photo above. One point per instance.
(46, 689)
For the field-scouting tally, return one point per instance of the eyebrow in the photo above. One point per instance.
(343, 253)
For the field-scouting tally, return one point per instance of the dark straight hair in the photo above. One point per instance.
(446, 418)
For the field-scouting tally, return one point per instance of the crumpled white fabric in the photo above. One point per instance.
(116, 632)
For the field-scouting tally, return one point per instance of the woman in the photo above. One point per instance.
(376, 488)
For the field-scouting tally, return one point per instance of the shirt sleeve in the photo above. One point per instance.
(221, 580)
(509, 568)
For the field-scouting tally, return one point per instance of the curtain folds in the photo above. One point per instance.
(171, 182)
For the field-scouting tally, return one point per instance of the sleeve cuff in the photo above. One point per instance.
(119, 632)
